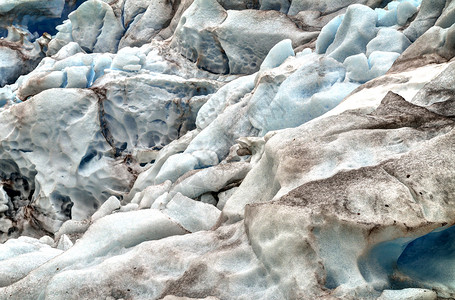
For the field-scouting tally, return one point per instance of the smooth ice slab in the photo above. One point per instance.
(192, 215)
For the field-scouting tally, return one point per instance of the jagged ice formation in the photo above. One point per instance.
(231, 149)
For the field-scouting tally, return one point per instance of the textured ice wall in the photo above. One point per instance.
(155, 172)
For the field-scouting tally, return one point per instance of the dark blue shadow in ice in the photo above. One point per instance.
(430, 258)
(416, 261)
(41, 25)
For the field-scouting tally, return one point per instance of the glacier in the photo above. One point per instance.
(227, 149)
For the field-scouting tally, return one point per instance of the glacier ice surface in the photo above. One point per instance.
(225, 149)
